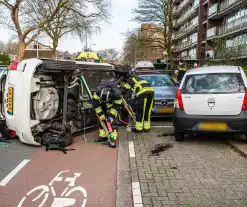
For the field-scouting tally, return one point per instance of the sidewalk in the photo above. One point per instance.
(239, 144)
(201, 171)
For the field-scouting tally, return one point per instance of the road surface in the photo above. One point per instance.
(90, 170)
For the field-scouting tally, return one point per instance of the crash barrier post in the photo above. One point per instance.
(84, 83)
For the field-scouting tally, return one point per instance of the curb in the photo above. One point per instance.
(124, 185)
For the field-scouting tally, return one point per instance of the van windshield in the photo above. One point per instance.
(214, 83)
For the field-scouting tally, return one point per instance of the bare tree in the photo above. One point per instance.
(158, 12)
(227, 53)
(24, 20)
(75, 18)
(2, 46)
(110, 55)
(129, 49)
(135, 47)
(12, 48)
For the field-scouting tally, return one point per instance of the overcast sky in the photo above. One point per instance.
(110, 36)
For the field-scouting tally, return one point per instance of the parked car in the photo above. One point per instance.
(3, 67)
(165, 93)
(211, 100)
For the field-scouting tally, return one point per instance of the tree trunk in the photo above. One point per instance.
(54, 49)
(21, 50)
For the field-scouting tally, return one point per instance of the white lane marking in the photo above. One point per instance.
(132, 149)
(161, 126)
(137, 195)
(13, 172)
(128, 128)
(65, 199)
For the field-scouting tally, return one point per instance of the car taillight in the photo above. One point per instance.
(244, 107)
(14, 65)
(12, 133)
(179, 103)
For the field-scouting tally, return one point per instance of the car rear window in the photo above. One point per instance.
(158, 80)
(214, 83)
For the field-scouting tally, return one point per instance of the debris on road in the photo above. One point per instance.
(166, 134)
(161, 147)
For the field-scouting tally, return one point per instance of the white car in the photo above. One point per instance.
(144, 65)
(211, 100)
(49, 96)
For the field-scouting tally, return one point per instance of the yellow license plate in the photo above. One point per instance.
(166, 110)
(10, 100)
(213, 126)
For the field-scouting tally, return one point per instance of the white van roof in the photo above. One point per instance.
(144, 64)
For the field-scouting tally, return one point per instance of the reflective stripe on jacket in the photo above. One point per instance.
(138, 85)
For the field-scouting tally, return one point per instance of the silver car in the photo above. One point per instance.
(165, 93)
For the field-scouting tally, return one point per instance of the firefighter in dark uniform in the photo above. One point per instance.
(106, 101)
(181, 72)
(143, 94)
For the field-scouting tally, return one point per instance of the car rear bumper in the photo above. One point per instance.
(188, 123)
(157, 113)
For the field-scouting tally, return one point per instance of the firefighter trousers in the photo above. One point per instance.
(103, 133)
(143, 111)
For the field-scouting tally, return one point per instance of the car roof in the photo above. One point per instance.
(144, 64)
(152, 74)
(214, 69)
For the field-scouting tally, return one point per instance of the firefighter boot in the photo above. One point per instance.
(102, 136)
(139, 126)
(147, 126)
(113, 139)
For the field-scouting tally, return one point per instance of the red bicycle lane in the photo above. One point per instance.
(83, 177)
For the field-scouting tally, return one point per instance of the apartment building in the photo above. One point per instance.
(199, 25)
(153, 49)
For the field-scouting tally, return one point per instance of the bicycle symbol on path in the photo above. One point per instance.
(61, 200)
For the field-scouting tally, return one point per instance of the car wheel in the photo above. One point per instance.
(179, 136)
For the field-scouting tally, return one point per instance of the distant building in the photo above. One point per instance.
(43, 52)
(198, 24)
(152, 49)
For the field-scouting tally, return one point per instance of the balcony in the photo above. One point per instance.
(196, 3)
(185, 15)
(184, 3)
(235, 26)
(194, 39)
(226, 4)
(211, 32)
(185, 31)
(213, 9)
(189, 57)
(232, 52)
(183, 46)
(219, 10)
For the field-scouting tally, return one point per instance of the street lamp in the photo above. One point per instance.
(91, 47)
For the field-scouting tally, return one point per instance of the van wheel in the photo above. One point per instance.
(179, 136)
